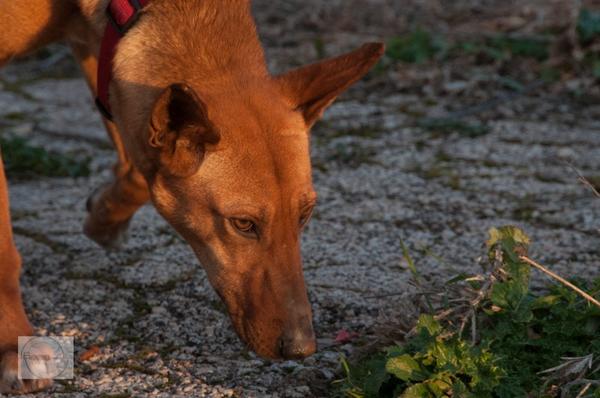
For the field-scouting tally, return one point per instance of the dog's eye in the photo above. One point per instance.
(306, 216)
(244, 226)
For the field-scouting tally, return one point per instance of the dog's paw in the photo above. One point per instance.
(9, 380)
(109, 236)
(97, 227)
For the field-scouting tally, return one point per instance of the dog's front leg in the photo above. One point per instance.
(13, 321)
(111, 206)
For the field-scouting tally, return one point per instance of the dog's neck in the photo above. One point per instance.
(206, 43)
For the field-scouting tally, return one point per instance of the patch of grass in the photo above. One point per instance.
(23, 160)
(454, 182)
(319, 48)
(447, 175)
(419, 46)
(550, 74)
(529, 47)
(520, 343)
(588, 25)
(447, 126)
(511, 83)
(16, 88)
(502, 47)
(477, 48)
(492, 164)
(351, 154)
(362, 131)
(442, 156)
(525, 209)
(596, 67)
(434, 172)
(14, 116)
(415, 47)
(524, 212)
(55, 246)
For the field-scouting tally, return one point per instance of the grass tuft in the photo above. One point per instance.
(415, 47)
(588, 25)
(447, 126)
(492, 338)
(25, 161)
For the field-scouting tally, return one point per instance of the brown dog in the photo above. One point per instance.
(218, 145)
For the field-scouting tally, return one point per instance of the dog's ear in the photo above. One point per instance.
(313, 88)
(180, 130)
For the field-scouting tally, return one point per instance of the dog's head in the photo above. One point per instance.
(233, 177)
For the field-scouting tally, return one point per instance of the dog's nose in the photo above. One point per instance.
(300, 343)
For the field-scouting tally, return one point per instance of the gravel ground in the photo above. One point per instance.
(161, 329)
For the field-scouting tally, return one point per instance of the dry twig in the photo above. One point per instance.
(561, 280)
(585, 181)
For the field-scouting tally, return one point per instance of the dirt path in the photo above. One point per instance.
(381, 180)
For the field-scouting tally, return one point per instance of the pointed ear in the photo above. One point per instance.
(314, 87)
(180, 130)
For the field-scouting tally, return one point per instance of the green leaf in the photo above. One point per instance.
(428, 322)
(394, 351)
(545, 301)
(529, 335)
(376, 376)
(499, 295)
(437, 387)
(417, 391)
(445, 354)
(405, 368)
(510, 296)
(409, 261)
(507, 233)
(511, 293)
(459, 389)
(588, 25)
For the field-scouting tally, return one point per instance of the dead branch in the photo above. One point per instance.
(561, 280)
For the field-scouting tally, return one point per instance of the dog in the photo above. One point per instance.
(203, 131)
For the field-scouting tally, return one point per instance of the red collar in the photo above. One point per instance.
(122, 15)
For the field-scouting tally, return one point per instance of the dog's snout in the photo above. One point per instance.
(298, 343)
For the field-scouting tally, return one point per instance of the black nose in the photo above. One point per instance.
(298, 344)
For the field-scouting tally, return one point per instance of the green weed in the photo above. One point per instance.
(22, 160)
(319, 45)
(503, 47)
(588, 25)
(529, 47)
(596, 67)
(419, 46)
(517, 345)
(351, 154)
(362, 131)
(415, 47)
(447, 126)
(549, 74)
